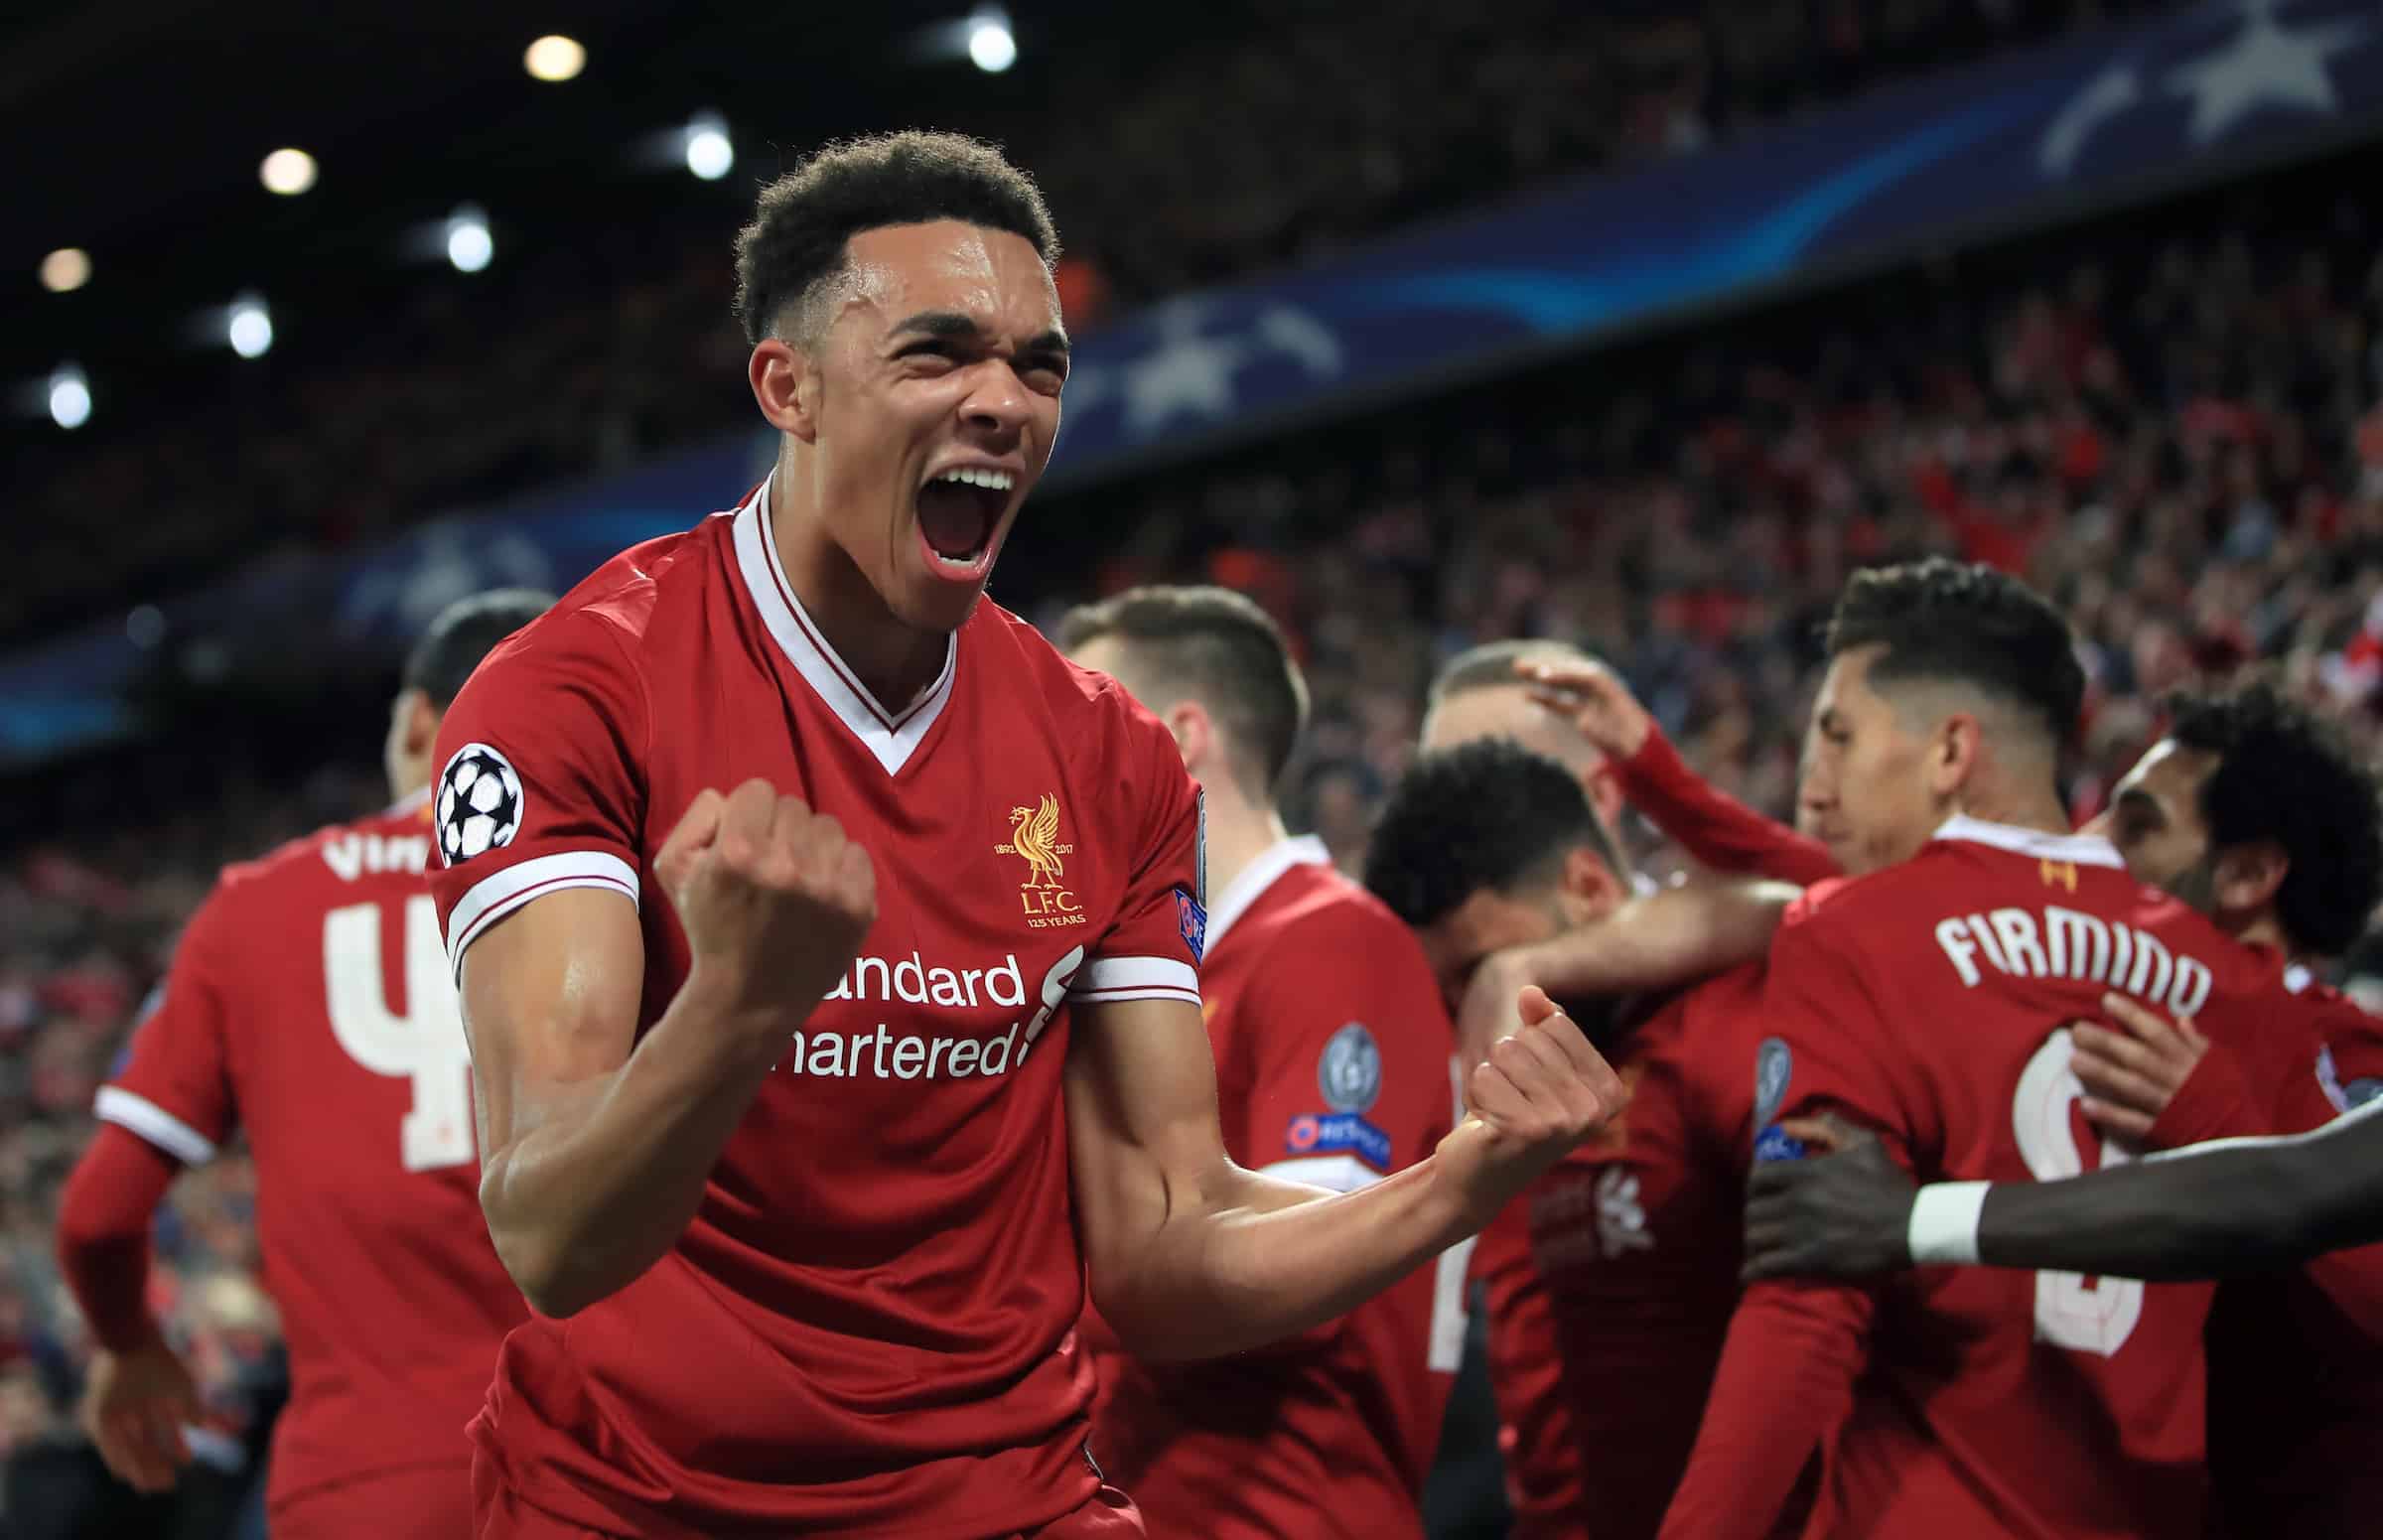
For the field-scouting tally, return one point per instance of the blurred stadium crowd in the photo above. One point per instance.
(2169, 424)
(616, 347)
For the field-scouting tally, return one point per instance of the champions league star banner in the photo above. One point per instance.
(2114, 114)
(366, 605)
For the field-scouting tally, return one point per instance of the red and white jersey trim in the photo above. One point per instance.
(1108, 979)
(500, 892)
(892, 736)
(2083, 849)
(154, 1123)
(1251, 883)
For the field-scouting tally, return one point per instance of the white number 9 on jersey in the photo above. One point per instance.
(426, 1045)
(2069, 1313)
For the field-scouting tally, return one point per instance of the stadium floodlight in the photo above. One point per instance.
(66, 269)
(287, 172)
(69, 397)
(469, 243)
(708, 153)
(991, 45)
(554, 57)
(248, 326)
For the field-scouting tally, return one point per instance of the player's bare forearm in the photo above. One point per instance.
(1191, 1256)
(2204, 1212)
(596, 1155)
(608, 1172)
(1254, 1260)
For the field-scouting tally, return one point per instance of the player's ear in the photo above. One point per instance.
(420, 731)
(786, 386)
(1195, 736)
(1591, 891)
(2248, 876)
(1953, 753)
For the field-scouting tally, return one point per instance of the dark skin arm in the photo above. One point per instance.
(2204, 1212)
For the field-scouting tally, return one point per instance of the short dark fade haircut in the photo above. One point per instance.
(1492, 664)
(1964, 622)
(464, 632)
(1486, 814)
(1218, 647)
(2286, 775)
(803, 222)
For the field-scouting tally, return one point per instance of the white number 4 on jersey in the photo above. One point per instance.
(426, 1045)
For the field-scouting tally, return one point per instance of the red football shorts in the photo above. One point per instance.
(428, 1503)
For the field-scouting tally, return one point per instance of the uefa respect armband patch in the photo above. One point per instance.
(1338, 1133)
(1194, 921)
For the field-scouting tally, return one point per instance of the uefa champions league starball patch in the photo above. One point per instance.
(479, 807)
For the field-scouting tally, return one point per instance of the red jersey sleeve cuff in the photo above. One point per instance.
(139, 1115)
(1109, 979)
(500, 892)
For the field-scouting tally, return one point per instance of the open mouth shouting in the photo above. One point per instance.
(960, 512)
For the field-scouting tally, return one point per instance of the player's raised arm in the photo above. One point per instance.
(1710, 824)
(1192, 1256)
(2238, 1205)
(598, 1151)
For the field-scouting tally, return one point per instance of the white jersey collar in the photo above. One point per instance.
(2083, 849)
(892, 736)
(1260, 875)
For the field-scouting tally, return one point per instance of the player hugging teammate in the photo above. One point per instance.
(915, 1075)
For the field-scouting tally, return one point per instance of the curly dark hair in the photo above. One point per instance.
(2286, 775)
(1489, 813)
(1965, 622)
(803, 219)
(1216, 647)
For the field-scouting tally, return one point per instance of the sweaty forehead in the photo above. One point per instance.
(993, 277)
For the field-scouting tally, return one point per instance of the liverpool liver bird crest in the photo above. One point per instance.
(1035, 834)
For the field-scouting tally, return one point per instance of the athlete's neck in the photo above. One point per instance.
(2018, 795)
(1238, 834)
(896, 662)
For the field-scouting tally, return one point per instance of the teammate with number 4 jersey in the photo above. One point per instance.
(309, 1003)
(1929, 1000)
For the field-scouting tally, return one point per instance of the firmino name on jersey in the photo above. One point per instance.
(2064, 943)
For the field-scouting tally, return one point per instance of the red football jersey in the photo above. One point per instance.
(309, 1002)
(1332, 1068)
(1638, 1236)
(2296, 1358)
(868, 1327)
(1928, 1002)
(1535, 1438)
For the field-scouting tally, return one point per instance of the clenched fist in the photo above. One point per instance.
(1541, 1092)
(774, 898)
